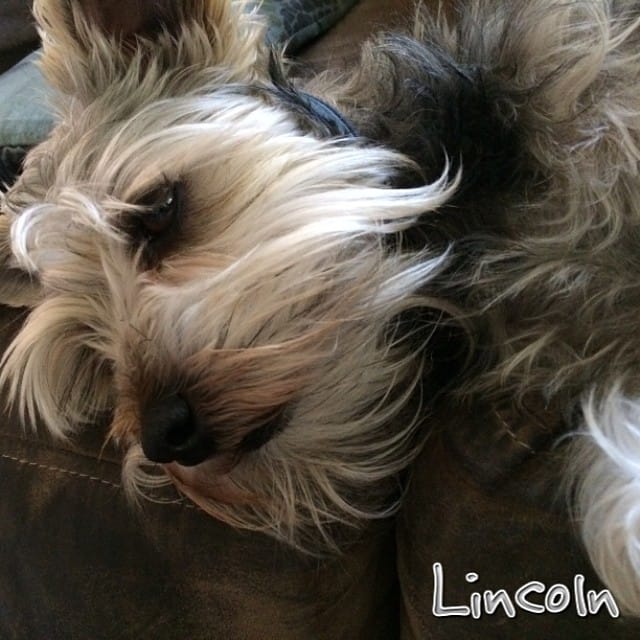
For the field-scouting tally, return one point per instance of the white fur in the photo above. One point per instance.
(607, 461)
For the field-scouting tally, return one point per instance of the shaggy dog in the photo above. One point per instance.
(267, 283)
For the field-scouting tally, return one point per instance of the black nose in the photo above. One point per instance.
(170, 433)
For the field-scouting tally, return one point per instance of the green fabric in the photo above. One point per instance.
(24, 117)
(25, 120)
(296, 22)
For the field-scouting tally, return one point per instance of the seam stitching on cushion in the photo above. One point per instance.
(75, 474)
(41, 444)
(512, 434)
(84, 476)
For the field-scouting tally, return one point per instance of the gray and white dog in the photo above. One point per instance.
(254, 275)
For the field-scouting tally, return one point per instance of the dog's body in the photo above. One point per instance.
(258, 282)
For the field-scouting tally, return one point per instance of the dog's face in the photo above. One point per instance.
(212, 272)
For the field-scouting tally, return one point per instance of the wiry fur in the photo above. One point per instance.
(295, 303)
(553, 278)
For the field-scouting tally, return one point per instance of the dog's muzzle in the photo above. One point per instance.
(170, 433)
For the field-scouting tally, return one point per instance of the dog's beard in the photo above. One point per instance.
(348, 428)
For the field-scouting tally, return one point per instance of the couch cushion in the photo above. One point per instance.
(507, 522)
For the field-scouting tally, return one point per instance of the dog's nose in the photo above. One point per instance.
(170, 433)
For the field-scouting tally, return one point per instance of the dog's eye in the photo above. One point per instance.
(162, 209)
(155, 227)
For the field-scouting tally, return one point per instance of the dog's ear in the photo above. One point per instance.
(17, 288)
(125, 19)
(91, 43)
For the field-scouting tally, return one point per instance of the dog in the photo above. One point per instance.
(267, 281)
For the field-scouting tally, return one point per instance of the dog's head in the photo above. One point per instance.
(215, 270)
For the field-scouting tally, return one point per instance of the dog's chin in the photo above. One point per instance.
(208, 483)
(201, 474)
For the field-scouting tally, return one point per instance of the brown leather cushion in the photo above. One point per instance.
(475, 504)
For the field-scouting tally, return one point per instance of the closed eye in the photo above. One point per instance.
(156, 224)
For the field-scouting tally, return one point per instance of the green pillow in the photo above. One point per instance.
(24, 117)
(296, 22)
